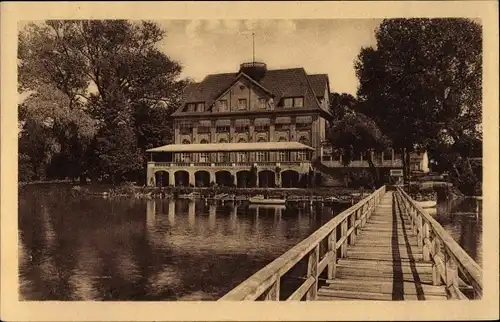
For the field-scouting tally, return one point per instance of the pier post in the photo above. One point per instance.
(332, 249)
(312, 270)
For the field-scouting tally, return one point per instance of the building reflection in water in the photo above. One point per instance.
(199, 225)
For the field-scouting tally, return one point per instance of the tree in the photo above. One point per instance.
(68, 130)
(422, 82)
(111, 69)
(354, 134)
(340, 103)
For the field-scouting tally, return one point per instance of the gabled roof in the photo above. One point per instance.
(209, 87)
(257, 146)
(279, 82)
(235, 80)
(319, 82)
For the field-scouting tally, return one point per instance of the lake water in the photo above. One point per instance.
(459, 219)
(100, 249)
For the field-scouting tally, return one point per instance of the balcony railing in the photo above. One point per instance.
(246, 164)
(364, 163)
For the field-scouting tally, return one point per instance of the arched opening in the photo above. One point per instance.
(162, 178)
(282, 139)
(204, 141)
(267, 179)
(244, 179)
(186, 141)
(181, 178)
(242, 140)
(224, 178)
(202, 179)
(222, 141)
(303, 180)
(289, 179)
(261, 139)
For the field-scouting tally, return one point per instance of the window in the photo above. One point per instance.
(241, 128)
(282, 156)
(298, 101)
(223, 156)
(242, 104)
(222, 129)
(185, 127)
(262, 103)
(203, 129)
(262, 128)
(293, 102)
(303, 122)
(223, 106)
(190, 107)
(302, 155)
(185, 157)
(281, 127)
(200, 107)
(261, 156)
(241, 156)
(204, 157)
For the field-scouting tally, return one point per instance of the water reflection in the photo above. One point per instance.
(97, 249)
(462, 218)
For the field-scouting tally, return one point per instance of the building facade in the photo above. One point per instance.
(256, 127)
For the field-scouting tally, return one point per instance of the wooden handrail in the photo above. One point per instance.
(445, 265)
(266, 282)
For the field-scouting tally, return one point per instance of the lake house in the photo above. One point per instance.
(269, 122)
(254, 127)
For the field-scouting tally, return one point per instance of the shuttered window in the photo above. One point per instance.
(283, 120)
(303, 120)
(261, 121)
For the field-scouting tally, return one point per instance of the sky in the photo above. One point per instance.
(330, 47)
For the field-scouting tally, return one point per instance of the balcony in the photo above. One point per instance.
(364, 164)
(230, 165)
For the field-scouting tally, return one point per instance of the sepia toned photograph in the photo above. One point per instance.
(250, 159)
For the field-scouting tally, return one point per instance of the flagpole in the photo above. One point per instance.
(253, 46)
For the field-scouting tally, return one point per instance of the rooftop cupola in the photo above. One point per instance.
(255, 70)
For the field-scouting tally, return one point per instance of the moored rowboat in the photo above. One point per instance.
(261, 200)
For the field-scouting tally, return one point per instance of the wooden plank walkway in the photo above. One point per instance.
(385, 262)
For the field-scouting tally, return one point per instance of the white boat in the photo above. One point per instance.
(262, 200)
(192, 195)
(266, 206)
(427, 204)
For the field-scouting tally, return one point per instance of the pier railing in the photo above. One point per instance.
(452, 266)
(265, 284)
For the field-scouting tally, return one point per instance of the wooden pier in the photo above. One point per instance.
(385, 247)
